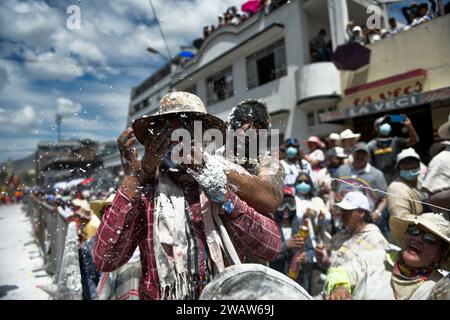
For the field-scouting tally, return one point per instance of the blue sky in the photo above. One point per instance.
(86, 74)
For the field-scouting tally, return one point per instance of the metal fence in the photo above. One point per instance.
(58, 244)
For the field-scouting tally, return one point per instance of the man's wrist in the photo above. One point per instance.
(131, 186)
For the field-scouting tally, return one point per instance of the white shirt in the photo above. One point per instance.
(293, 169)
(438, 175)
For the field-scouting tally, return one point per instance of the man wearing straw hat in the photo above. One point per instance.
(185, 217)
(409, 274)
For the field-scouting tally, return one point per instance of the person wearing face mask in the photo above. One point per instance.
(311, 212)
(312, 207)
(289, 224)
(334, 158)
(406, 187)
(293, 162)
(385, 147)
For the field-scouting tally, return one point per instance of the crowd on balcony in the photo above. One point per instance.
(415, 14)
(233, 16)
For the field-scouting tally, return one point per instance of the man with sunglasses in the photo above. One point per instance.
(408, 274)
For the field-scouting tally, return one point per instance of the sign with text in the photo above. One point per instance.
(386, 106)
(388, 88)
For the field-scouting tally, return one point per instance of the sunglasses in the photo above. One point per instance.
(415, 231)
(287, 205)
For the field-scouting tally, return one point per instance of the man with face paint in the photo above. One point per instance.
(359, 236)
(294, 163)
(187, 220)
(385, 148)
(406, 187)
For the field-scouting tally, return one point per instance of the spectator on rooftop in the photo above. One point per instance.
(319, 46)
(422, 15)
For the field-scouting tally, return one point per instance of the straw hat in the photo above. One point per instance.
(85, 209)
(98, 205)
(174, 104)
(334, 136)
(433, 222)
(348, 134)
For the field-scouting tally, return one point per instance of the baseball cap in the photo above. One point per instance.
(361, 146)
(354, 200)
(407, 153)
(292, 142)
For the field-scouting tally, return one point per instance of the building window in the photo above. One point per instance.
(319, 113)
(146, 103)
(266, 65)
(220, 86)
(310, 119)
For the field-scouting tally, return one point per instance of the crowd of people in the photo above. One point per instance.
(11, 190)
(355, 200)
(415, 14)
(233, 16)
(343, 218)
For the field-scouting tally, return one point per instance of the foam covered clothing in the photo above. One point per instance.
(129, 222)
(345, 246)
(370, 277)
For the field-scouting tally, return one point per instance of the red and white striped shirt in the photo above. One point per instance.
(128, 223)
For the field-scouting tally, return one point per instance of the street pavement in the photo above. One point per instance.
(21, 267)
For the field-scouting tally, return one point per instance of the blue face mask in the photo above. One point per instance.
(385, 129)
(291, 152)
(303, 188)
(409, 175)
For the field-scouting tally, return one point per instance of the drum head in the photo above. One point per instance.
(251, 281)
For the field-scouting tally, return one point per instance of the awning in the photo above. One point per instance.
(408, 101)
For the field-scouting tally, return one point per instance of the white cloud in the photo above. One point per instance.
(67, 106)
(23, 120)
(90, 69)
(3, 78)
(50, 66)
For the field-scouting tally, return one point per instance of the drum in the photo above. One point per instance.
(251, 281)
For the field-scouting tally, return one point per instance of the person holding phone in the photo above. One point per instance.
(385, 147)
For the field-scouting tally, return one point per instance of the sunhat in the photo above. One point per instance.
(348, 134)
(176, 104)
(433, 222)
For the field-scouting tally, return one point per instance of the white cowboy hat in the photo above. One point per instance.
(348, 134)
(433, 222)
(334, 136)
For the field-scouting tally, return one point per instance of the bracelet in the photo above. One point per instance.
(228, 206)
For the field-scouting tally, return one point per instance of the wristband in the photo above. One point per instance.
(228, 206)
